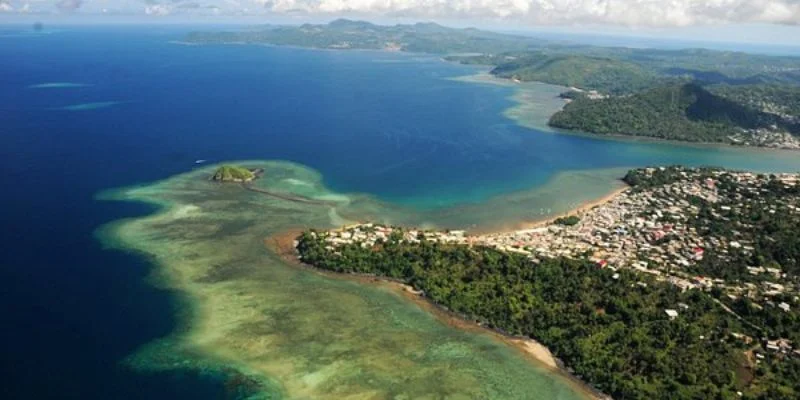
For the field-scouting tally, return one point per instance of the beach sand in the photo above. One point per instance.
(538, 223)
(534, 102)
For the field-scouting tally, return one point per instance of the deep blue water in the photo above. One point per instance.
(371, 122)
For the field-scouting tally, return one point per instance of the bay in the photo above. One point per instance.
(391, 126)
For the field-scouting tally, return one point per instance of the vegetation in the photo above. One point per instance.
(614, 333)
(640, 180)
(682, 112)
(765, 90)
(605, 74)
(765, 218)
(776, 99)
(645, 68)
(348, 34)
(568, 221)
(232, 173)
(606, 69)
(766, 221)
(609, 326)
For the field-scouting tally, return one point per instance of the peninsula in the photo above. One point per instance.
(671, 290)
(278, 331)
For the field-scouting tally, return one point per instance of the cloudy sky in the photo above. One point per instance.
(712, 15)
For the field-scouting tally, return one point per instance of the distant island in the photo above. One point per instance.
(234, 173)
(695, 95)
(348, 34)
(685, 286)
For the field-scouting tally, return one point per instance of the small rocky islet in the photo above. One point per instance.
(235, 173)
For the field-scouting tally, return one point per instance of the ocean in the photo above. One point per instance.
(125, 106)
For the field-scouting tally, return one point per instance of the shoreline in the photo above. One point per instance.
(579, 211)
(620, 137)
(533, 102)
(523, 106)
(515, 113)
(282, 244)
(228, 328)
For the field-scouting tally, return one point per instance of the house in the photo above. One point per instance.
(782, 345)
(672, 314)
(698, 253)
(785, 307)
(772, 345)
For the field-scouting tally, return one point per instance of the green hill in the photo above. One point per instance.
(233, 173)
(349, 34)
(680, 111)
(776, 99)
(597, 73)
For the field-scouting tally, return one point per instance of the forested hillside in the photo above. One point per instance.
(606, 74)
(727, 96)
(610, 328)
(681, 112)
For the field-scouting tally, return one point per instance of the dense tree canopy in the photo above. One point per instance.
(611, 330)
(682, 112)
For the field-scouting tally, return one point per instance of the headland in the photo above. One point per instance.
(291, 332)
(670, 259)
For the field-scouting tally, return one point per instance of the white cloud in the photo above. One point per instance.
(619, 12)
(633, 13)
(69, 5)
(158, 10)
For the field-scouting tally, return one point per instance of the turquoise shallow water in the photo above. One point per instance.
(283, 331)
(389, 125)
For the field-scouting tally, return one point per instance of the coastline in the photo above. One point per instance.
(528, 111)
(578, 211)
(282, 244)
(241, 293)
(530, 348)
(531, 111)
(619, 137)
(534, 102)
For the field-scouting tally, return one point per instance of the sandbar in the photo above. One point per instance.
(534, 102)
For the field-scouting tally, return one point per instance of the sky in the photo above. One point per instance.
(758, 21)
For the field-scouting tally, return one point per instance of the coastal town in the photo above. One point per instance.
(673, 224)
